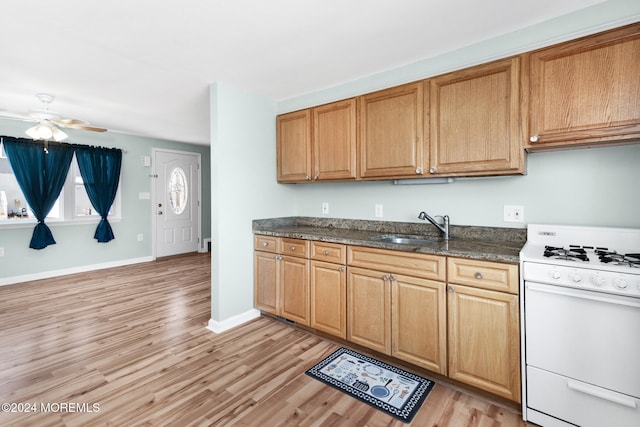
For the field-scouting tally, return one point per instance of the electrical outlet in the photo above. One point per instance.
(140, 237)
(379, 211)
(1, 251)
(325, 208)
(513, 213)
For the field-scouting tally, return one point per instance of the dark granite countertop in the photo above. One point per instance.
(483, 243)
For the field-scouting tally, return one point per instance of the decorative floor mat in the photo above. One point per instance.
(397, 392)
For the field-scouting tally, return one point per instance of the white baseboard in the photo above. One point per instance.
(72, 270)
(232, 322)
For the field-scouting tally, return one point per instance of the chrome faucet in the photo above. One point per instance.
(443, 228)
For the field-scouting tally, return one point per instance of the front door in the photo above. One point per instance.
(177, 202)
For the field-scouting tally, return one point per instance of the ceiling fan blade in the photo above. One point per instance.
(81, 127)
(64, 122)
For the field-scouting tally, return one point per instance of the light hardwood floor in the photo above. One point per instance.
(128, 346)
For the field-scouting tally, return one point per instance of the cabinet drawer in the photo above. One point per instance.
(409, 263)
(483, 274)
(329, 252)
(265, 243)
(295, 247)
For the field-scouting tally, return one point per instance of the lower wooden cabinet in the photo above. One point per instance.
(265, 282)
(419, 323)
(281, 282)
(329, 298)
(294, 283)
(369, 309)
(397, 303)
(395, 311)
(484, 326)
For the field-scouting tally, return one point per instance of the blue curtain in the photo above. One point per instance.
(40, 171)
(100, 170)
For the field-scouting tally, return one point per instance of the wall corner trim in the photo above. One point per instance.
(222, 326)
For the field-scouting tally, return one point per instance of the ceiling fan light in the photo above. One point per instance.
(33, 132)
(58, 135)
(40, 131)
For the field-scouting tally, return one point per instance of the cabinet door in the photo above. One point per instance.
(334, 140)
(369, 309)
(483, 340)
(294, 283)
(265, 281)
(419, 324)
(294, 146)
(476, 121)
(329, 298)
(391, 132)
(586, 91)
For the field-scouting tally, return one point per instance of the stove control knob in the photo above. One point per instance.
(620, 283)
(555, 275)
(599, 280)
(575, 277)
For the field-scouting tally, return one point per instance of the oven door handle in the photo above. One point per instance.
(600, 297)
(601, 394)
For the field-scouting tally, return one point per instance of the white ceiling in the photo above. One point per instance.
(144, 67)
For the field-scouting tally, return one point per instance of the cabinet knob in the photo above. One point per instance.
(325, 253)
(315, 178)
(293, 248)
(478, 275)
(419, 171)
(392, 277)
(432, 170)
(450, 289)
(265, 244)
(307, 178)
(534, 138)
(341, 269)
(385, 277)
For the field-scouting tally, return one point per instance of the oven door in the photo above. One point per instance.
(581, 350)
(589, 336)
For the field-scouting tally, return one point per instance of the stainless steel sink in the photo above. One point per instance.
(406, 239)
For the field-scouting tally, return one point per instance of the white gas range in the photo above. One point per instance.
(580, 311)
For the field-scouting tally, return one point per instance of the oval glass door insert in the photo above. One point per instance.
(178, 191)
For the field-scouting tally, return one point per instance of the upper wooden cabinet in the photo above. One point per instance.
(586, 91)
(476, 119)
(334, 141)
(318, 144)
(294, 146)
(473, 122)
(391, 133)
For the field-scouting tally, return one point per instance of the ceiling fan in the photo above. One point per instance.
(49, 122)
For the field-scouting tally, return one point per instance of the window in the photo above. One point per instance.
(72, 205)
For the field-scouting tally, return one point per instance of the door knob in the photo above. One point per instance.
(159, 212)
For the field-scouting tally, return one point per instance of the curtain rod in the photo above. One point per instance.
(47, 142)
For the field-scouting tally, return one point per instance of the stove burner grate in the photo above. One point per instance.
(629, 260)
(571, 254)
